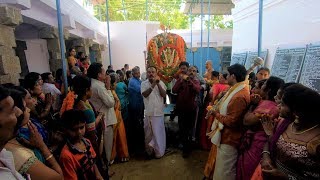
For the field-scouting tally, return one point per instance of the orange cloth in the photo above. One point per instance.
(257, 175)
(68, 102)
(210, 165)
(120, 147)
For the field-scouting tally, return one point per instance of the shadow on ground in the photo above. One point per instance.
(171, 166)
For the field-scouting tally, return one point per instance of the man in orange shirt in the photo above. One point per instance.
(227, 126)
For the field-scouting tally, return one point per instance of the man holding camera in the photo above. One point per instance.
(187, 87)
(153, 92)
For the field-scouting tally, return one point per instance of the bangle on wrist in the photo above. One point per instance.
(49, 157)
(265, 152)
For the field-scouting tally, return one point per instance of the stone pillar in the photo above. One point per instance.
(83, 45)
(102, 48)
(21, 47)
(51, 34)
(97, 52)
(10, 17)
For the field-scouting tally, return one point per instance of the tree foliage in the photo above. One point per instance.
(167, 12)
(218, 22)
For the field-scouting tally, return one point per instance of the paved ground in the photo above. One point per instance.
(171, 166)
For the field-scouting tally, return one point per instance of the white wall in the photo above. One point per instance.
(217, 37)
(37, 56)
(128, 41)
(285, 22)
(43, 12)
(105, 57)
(152, 30)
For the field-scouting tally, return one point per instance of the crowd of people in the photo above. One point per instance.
(105, 116)
(262, 128)
(256, 126)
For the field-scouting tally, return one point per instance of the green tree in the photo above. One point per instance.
(218, 22)
(167, 12)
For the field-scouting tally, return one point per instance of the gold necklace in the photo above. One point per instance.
(298, 133)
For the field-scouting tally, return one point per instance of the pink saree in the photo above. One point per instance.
(253, 142)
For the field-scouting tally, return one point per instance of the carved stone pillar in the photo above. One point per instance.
(83, 45)
(21, 47)
(10, 68)
(51, 34)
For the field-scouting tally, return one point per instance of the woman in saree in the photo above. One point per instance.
(51, 136)
(122, 93)
(293, 148)
(220, 87)
(120, 147)
(268, 124)
(31, 103)
(254, 139)
(32, 157)
(71, 57)
(43, 111)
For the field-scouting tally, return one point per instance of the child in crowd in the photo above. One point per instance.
(77, 159)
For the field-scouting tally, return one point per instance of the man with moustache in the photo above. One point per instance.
(153, 92)
(187, 87)
(103, 101)
(8, 130)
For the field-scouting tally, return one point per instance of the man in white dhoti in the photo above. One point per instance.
(153, 91)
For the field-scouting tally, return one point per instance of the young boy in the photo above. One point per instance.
(77, 156)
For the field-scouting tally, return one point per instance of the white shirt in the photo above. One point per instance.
(103, 101)
(50, 88)
(154, 103)
(9, 172)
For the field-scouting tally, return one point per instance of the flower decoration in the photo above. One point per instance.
(166, 51)
(68, 102)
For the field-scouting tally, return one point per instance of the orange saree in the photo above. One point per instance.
(120, 147)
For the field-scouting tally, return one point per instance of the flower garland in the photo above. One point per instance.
(68, 102)
(166, 51)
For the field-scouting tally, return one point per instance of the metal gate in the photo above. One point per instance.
(194, 58)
